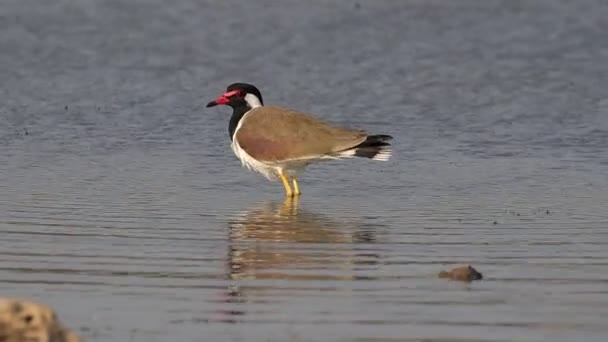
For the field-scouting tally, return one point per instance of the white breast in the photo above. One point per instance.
(269, 171)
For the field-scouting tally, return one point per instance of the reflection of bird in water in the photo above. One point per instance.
(282, 241)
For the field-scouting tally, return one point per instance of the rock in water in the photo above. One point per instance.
(464, 273)
(25, 321)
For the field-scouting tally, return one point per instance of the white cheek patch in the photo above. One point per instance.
(253, 101)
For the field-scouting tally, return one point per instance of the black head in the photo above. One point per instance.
(239, 94)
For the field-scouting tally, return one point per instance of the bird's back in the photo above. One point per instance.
(275, 133)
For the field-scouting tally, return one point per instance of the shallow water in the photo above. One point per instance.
(123, 207)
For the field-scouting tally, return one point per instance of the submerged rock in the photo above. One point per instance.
(24, 321)
(464, 273)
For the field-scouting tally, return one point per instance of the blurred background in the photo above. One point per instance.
(122, 205)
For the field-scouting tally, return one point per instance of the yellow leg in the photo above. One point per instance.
(289, 207)
(296, 188)
(288, 192)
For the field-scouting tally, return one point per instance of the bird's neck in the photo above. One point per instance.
(238, 111)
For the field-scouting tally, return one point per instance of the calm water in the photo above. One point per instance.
(123, 207)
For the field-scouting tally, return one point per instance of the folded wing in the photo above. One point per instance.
(272, 134)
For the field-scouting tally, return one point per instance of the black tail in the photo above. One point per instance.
(374, 147)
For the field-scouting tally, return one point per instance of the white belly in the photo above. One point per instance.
(269, 171)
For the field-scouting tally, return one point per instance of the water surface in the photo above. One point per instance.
(122, 206)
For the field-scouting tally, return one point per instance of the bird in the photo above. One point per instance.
(279, 142)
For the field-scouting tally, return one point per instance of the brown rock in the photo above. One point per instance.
(464, 273)
(25, 321)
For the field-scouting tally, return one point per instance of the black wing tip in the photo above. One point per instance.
(379, 137)
(381, 153)
(376, 141)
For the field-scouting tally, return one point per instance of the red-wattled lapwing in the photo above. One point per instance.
(278, 142)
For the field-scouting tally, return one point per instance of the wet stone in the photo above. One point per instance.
(22, 321)
(464, 273)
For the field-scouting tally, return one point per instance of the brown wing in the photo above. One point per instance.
(275, 134)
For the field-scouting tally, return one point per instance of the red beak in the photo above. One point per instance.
(219, 101)
(224, 99)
